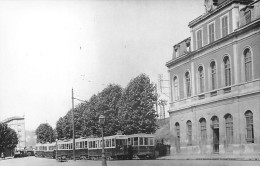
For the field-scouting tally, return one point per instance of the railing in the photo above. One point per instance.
(218, 94)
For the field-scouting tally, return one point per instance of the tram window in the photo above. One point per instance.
(77, 144)
(151, 141)
(113, 142)
(146, 141)
(81, 144)
(86, 144)
(141, 141)
(136, 141)
(107, 143)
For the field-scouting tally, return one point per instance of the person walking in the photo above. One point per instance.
(3, 155)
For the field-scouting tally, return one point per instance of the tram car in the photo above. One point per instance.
(45, 150)
(115, 147)
(142, 145)
(65, 149)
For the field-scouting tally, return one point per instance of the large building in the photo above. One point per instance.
(215, 82)
(17, 124)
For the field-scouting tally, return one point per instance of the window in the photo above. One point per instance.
(203, 130)
(136, 141)
(199, 39)
(146, 141)
(86, 144)
(227, 71)
(189, 132)
(249, 127)
(248, 65)
(224, 22)
(113, 142)
(188, 86)
(151, 141)
(141, 141)
(177, 130)
(77, 145)
(229, 128)
(201, 79)
(248, 16)
(213, 75)
(176, 88)
(211, 33)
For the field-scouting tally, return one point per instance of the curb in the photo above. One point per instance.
(201, 158)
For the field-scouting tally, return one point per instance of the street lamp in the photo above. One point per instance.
(102, 121)
(56, 149)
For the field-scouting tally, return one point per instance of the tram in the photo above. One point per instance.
(137, 146)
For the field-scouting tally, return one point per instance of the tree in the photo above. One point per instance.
(137, 106)
(8, 137)
(44, 133)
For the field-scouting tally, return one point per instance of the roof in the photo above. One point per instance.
(141, 135)
(12, 118)
(220, 6)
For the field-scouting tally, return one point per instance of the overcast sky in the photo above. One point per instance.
(48, 47)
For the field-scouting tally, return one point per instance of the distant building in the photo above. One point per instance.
(17, 124)
(215, 82)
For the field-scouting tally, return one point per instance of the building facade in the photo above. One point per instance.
(18, 125)
(215, 82)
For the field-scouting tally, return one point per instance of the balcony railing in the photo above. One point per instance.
(218, 94)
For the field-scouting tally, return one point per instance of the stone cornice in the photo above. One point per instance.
(220, 7)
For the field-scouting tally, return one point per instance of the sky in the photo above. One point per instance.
(48, 47)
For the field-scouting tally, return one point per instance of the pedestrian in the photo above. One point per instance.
(3, 155)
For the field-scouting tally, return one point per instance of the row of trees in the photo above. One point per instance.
(8, 137)
(130, 110)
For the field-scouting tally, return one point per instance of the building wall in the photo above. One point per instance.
(235, 99)
(18, 125)
(234, 106)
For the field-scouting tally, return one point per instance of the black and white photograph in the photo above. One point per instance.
(129, 83)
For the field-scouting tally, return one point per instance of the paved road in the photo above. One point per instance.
(33, 161)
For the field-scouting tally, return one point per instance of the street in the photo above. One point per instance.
(33, 161)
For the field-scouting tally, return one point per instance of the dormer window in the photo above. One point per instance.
(176, 49)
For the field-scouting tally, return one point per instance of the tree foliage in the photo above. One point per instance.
(8, 137)
(130, 110)
(137, 106)
(44, 133)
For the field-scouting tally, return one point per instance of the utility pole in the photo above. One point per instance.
(156, 102)
(73, 129)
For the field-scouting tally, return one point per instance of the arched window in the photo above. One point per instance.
(177, 129)
(227, 71)
(201, 79)
(213, 75)
(188, 86)
(203, 130)
(176, 88)
(229, 128)
(189, 132)
(249, 127)
(248, 65)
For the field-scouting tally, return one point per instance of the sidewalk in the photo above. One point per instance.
(212, 157)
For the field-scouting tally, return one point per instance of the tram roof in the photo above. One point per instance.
(141, 135)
